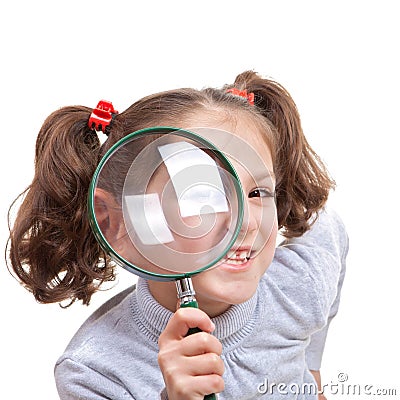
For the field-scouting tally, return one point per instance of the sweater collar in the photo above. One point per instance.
(230, 327)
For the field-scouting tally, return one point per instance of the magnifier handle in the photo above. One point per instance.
(190, 301)
(191, 331)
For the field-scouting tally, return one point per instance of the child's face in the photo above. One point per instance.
(235, 279)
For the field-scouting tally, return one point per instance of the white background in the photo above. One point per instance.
(339, 60)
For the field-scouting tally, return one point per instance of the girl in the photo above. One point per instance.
(268, 326)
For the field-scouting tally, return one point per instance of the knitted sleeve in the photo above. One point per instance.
(324, 248)
(77, 381)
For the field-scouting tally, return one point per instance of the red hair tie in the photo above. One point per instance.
(102, 116)
(242, 93)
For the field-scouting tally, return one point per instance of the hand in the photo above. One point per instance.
(317, 377)
(191, 365)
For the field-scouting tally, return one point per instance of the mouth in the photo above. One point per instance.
(238, 257)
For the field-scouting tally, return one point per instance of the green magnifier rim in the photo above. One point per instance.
(121, 261)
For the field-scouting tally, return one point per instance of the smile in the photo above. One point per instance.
(237, 257)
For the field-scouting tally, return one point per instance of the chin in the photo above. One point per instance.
(228, 285)
(241, 296)
(227, 294)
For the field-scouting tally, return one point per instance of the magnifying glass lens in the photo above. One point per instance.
(166, 202)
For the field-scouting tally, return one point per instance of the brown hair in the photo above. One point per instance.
(303, 182)
(52, 249)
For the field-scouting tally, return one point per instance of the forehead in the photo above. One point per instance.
(238, 135)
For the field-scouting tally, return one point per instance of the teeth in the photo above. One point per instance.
(235, 262)
(237, 257)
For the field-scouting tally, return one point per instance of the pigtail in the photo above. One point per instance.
(51, 247)
(303, 182)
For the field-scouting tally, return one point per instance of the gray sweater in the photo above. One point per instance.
(269, 342)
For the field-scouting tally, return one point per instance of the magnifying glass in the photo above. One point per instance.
(167, 204)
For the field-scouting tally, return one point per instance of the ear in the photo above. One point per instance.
(109, 217)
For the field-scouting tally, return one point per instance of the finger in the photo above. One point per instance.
(205, 364)
(186, 318)
(195, 387)
(200, 343)
(205, 384)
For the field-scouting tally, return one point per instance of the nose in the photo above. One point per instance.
(251, 218)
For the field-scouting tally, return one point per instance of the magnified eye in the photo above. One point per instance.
(261, 192)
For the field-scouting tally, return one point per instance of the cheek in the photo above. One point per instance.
(266, 255)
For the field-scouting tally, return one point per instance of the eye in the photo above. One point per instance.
(261, 192)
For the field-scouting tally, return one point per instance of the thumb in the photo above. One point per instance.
(185, 319)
